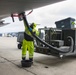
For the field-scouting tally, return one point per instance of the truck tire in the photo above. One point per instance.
(19, 46)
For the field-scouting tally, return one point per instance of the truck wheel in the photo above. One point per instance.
(19, 46)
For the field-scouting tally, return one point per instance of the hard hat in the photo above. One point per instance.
(34, 25)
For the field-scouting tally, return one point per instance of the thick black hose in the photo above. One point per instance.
(48, 45)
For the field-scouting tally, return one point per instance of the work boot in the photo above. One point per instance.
(23, 58)
(30, 59)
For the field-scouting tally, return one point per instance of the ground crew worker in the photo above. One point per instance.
(28, 42)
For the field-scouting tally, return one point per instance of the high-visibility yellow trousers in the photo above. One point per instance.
(28, 45)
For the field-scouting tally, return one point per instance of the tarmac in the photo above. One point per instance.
(10, 61)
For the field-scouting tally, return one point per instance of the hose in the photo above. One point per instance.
(46, 44)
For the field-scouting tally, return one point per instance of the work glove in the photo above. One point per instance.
(30, 29)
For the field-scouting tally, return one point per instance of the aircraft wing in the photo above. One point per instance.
(7, 7)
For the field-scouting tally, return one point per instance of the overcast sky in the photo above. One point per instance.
(45, 16)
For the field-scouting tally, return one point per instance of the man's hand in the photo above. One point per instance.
(30, 29)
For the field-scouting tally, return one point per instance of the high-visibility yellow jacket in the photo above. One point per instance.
(34, 30)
